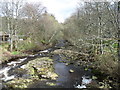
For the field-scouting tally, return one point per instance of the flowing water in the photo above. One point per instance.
(79, 78)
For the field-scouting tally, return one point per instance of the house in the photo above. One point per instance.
(4, 37)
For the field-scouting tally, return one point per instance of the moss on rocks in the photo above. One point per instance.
(40, 65)
(72, 55)
(19, 83)
(37, 69)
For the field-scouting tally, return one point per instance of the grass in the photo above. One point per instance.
(15, 53)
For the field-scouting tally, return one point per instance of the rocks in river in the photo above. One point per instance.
(37, 69)
(104, 85)
(21, 83)
(52, 75)
(43, 65)
(19, 71)
(43, 76)
(67, 64)
(94, 77)
(73, 55)
(86, 69)
(71, 71)
(50, 83)
(39, 63)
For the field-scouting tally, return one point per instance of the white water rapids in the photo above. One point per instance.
(12, 64)
(4, 71)
(85, 81)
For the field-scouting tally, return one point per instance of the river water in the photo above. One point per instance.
(79, 78)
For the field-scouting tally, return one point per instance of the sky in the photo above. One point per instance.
(61, 9)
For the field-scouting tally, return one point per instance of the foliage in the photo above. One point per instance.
(93, 29)
(15, 53)
(31, 21)
(27, 45)
(108, 64)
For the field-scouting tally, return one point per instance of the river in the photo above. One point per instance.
(69, 76)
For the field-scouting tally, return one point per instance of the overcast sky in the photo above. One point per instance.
(61, 9)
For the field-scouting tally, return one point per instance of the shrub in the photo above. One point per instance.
(107, 63)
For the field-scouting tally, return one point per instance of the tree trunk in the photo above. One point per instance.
(118, 30)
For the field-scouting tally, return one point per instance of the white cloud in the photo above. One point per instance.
(61, 9)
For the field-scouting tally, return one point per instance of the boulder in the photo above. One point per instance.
(71, 71)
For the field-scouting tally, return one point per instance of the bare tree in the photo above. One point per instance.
(10, 10)
(95, 23)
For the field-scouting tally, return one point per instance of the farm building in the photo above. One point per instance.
(4, 37)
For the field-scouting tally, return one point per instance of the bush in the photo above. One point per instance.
(28, 44)
(107, 63)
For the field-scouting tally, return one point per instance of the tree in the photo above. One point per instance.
(10, 10)
(39, 26)
(92, 26)
(118, 18)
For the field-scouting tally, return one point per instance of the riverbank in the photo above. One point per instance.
(4, 55)
(105, 69)
(40, 69)
(7, 56)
